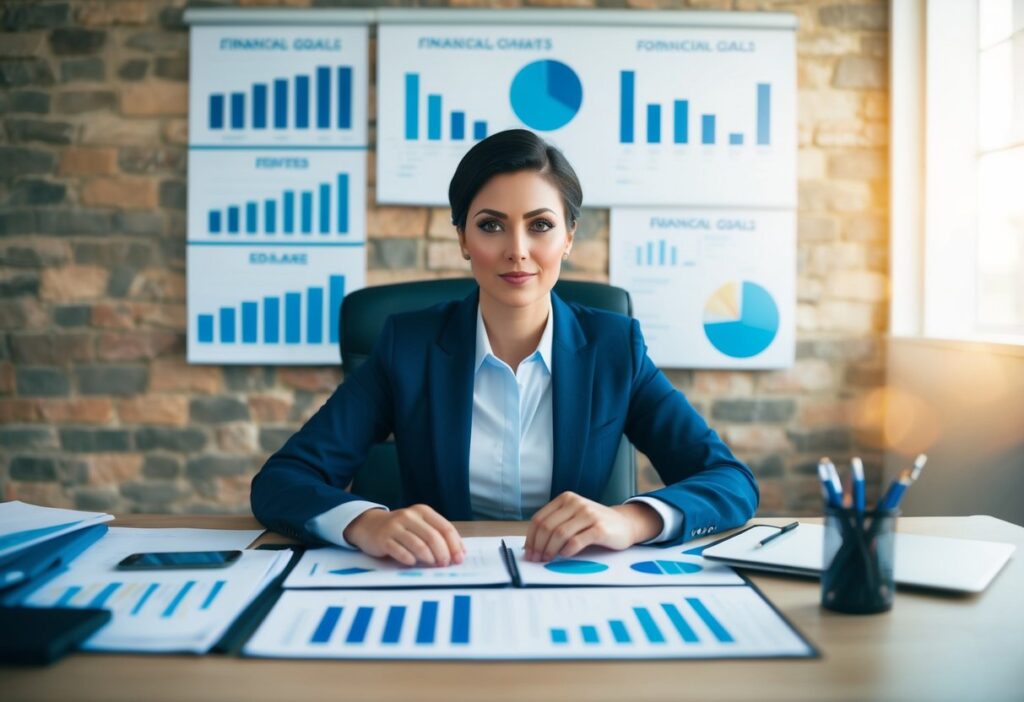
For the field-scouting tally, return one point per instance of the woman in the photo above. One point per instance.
(508, 404)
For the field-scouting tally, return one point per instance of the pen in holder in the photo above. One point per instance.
(857, 572)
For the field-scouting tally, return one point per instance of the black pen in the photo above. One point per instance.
(780, 532)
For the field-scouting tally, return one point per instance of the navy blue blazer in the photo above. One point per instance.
(418, 384)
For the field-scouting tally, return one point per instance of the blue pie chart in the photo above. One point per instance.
(575, 567)
(741, 319)
(546, 94)
(350, 571)
(666, 567)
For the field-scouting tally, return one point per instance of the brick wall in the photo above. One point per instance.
(98, 409)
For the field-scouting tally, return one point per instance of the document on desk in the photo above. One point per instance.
(23, 525)
(510, 624)
(486, 565)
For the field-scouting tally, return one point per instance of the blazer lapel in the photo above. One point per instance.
(572, 384)
(450, 395)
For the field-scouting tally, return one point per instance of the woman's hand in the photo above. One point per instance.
(410, 535)
(570, 523)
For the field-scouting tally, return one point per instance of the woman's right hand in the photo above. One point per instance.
(415, 534)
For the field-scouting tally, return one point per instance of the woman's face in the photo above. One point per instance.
(516, 236)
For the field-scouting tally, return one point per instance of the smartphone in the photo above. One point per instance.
(179, 559)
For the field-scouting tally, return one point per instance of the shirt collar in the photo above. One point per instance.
(543, 350)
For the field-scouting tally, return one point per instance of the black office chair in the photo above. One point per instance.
(363, 313)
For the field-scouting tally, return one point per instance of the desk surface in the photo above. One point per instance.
(929, 646)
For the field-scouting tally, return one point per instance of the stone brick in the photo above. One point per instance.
(18, 283)
(753, 410)
(217, 410)
(78, 410)
(855, 17)
(158, 42)
(94, 440)
(78, 160)
(172, 375)
(38, 253)
(18, 409)
(70, 283)
(139, 223)
(857, 285)
(820, 440)
(19, 17)
(273, 438)
(388, 221)
(439, 224)
(138, 344)
(770, 466)
(114, 253)
(46, 493)
(121, 191)
(118, 380)
(394, 253)
(19, 161)
(173, 194)
(816, 105)
(34, 130)
(861, 375)
(310, 379)
(858, 72)
(849, 316)
(163, 410)
(51, 348)
(269, 408)
(806, 375)
(238, 437)
(446, 255)
(843, 349)
(171, 67)
(83, 69)
(817, 228)
(79, 101)
(113, 468)
(185, 439)
(863, 165)
(248, 378)
(22, 313)
(154, 495)
(172, 18)
(592, 225)
(865, 228)
(210, 466)
(154, 99)
(22, 44)
(722, 383)
(33, 101)
(133, 69)
(32, 191)
(175, 131)
(590, 256)
(42, 382)
(98, 13)
(72, 315)
(33, 468)
(108, 130)
(152, 159)
(67, 42)
(826, 44)
(17, 73)
(97, 499)
(158, 284)
(15, 438)
(847, 134)
(876, 105)
(751, 437)
(811, 164)
(161, 466)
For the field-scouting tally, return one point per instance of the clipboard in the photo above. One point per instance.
(930, 562)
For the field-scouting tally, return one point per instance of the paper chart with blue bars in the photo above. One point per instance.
(277, 191)
(578, 623)
(646, 115)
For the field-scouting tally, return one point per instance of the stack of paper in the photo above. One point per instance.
(23, 526)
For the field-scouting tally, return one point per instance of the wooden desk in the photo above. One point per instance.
(928, 647)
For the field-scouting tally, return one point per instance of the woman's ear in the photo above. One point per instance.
(462, 242)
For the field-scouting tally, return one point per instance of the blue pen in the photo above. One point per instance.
(828, 490)
(899, 486)
(837, 484)
(857, 467)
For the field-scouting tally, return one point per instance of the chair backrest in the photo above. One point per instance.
(363, 313)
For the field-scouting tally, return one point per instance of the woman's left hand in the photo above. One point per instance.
(569, 523)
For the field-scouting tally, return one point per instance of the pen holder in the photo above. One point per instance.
(857, 569)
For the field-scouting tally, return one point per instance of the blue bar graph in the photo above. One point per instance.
(271, 320)
(233, 218)
(216, 112)
(619, 631)
(237, 110)
(589, 634)
(214, 591)
(479, 129)
(707, 129)
(214, 223)
(249, 312)
(103, 595)
(206, 328)
(559, 636)
(412, 106)
(178, 597)
(68, 595)
(259, 106)
(735, 139)
(289, 212)
(145, 596)
(460, 620)
(681, 123)
(307, 212)
(647, 623)
(360, 623)
(627, 91)
(337, 294)
(666, 255)
(302, 102)
(344, 97)
(292, 318)
(250, 218)
(433, 117)
(458, 125)
(323, 97)
(315, 315)
(270, 216)
(280, 103)
(325, 194)
(764, 103)
(325, 628)
(676, 617)
(709, 619)
(343, 203)
(325, 208)
(428, 622)
(393, 625)
(227, 325)
(653, 124)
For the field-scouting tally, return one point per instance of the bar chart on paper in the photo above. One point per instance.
(269, 304)
(527, 624)
(302, 87)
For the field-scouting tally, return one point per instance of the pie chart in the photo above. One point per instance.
(666, 567)
(546, 94)
(741, 319)
(575, 567)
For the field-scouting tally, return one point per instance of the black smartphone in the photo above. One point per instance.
(179, 559)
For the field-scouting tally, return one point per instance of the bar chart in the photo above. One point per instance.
(672, 622)
(165, 600)
(457, 127)
(322, 209)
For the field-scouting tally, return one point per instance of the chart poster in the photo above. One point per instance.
(276, 191)
(712, 288)
(647, 115)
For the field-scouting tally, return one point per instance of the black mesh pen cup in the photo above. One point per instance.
(857, 572)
